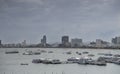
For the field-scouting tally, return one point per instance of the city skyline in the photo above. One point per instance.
(31, 19)
(65, 39)
(66, 43)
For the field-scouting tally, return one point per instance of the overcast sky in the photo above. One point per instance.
(31, 19)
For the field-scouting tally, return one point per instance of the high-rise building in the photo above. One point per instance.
(76, 42)
(99, 42)
(116, 40)
(65, 39)
(44, 40)
(24, 43)
(0, 42)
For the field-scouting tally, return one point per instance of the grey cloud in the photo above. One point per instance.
(30, 19)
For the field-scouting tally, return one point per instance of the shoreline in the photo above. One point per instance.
(66, 48)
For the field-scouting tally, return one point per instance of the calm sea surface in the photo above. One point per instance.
(10, 63)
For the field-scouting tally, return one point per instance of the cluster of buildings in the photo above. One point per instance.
(66, 43)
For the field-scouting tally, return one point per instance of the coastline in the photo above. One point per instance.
(95, 48)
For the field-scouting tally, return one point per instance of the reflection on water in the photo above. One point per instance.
(11, 63)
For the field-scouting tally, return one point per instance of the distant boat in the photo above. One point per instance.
(78, 53)
(85, 52)
(101, 53)
(43, 51)
(56, 61)
(47, 61)
(24, 64)
(11, 52)
(36, 53)
(73, 60)
(105, 54)
(37, 60)
(91, 55)
(68, 52)
(117, 55)
(31, 53)
(50, 51)
(28, 53)
(101, 63)
(85, 60)
(108, 54)
(117, 62)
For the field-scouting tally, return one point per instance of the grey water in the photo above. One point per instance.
(10, 63)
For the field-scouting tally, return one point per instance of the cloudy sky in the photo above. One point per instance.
(31, 19)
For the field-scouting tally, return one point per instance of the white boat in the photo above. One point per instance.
(85, 60)
(27, 53)
(73, 60)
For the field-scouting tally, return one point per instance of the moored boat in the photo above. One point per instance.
(11, 52)
(69, 52)
(24, 64)
(37, 60)
(91, 55)
(56, 61)
(50, 51)
(73, 60)
(84, 60)
(101, 63)
(85, 52)
(117, 62)
(47, 61)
